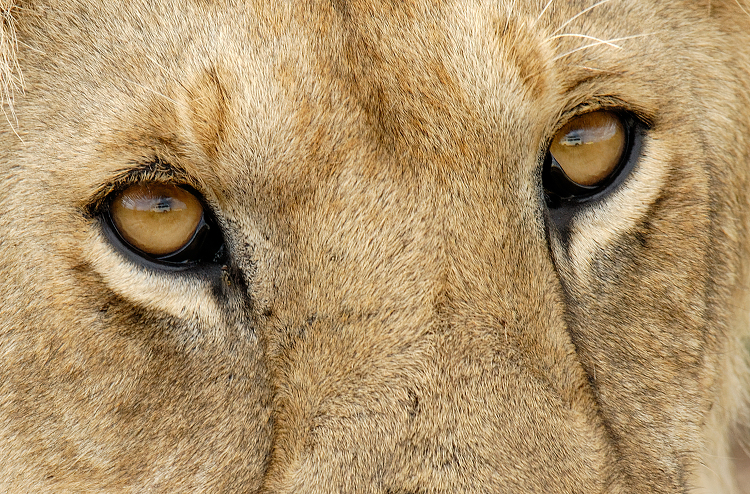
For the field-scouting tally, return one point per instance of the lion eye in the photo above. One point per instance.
(586, 155)
(163, 222)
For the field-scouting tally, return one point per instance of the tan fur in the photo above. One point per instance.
(397, 313)
(10, 78)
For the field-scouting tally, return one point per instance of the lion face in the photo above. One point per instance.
(371, 246)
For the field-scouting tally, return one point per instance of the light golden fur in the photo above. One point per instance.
(398, 313)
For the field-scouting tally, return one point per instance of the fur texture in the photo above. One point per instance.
(399, 311)
(10, 78)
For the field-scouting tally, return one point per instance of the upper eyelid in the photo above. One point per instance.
(157, 171)
(605, 103)
(602, 104)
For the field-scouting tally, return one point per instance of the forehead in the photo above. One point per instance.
(237, 83)
(523, 41)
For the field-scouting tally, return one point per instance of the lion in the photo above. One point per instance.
(370, 246)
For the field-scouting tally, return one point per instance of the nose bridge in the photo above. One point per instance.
(488, 231)
(431, 341)
(423, 345)
(499, 293)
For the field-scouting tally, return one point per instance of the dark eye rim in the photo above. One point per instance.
(205, 246)
(560, 191)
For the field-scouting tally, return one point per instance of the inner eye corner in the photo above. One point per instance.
(589, 155)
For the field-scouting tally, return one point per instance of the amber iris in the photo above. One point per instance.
(157, 219)
(589, 148)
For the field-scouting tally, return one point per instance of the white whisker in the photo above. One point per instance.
(512, 7)
(741, 7)
(509, 10)
(571, 35)
(11, 77)
(579, 15)
(153, 61)
(594, 69)
(30, 47)
(608, 42)
(542, 12)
